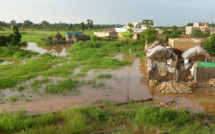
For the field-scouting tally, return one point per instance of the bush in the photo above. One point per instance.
(1, 60)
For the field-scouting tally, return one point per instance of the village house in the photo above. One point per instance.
(116, 32)
(182, 44)
(72, 37)
(161, 63)
(108, 32)
(204, 27)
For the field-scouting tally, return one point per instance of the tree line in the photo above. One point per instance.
(45, 25)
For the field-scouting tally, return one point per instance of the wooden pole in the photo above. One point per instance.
(175, 68)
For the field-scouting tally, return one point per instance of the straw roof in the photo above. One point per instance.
(160, 53)
(196, 53)
(58, 36)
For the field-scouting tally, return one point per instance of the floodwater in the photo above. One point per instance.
(58, 50)
(127, 83)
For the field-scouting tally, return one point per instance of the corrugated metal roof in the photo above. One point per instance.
(69, 34)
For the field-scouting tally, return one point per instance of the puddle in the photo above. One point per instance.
(58, 50)
(128, 81)
(6, 62)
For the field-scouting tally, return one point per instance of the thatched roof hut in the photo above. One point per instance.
(58, 36)
(160, 53)
(197, 53)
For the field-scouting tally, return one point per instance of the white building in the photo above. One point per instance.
(137, 28)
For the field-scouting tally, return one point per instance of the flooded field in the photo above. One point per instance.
(127, 83)
(58, 50)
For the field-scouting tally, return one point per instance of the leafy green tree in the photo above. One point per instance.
(149, 35)
(130, 25)
(126, 36)
(12, 22)
(70, 26)
(89, 24)
(165, 31)
(210, 45)
(190, 24)
(82, 26)
(44, 24)
(197, 33)
(174, 28)
(27, 24)
(130, 30)
(148, 23)
(16, 35)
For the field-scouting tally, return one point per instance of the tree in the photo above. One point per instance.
(27, 23)
(165, 31)
(44, 24)
(70, 26)
(190, 24)
(12, 22)
(148, 23)
(89, 24)
(149, 35)
(16, 35)
(174, 28)
(82, 26)
(197, 33)
(210, 45)
(130, 25)
(126, 36)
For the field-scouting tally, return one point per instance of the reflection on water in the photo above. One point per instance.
(58, 50)
(127, 80)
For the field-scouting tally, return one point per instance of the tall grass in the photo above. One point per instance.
(15, 73)
(85, 120)
(10, 122)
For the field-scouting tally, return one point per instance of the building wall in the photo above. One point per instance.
(189, 29)
(105, 34)
(205, 74)
(204, 27)
(183, 44)
(135, 37)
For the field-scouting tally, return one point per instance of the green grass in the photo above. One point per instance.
(138, 117)
(10, 122)
(16, 73)
(99, 55)
(85, 120)
(16, 53)
(2, 60)
(62, 86)
(65, 70)
(20, 88)
(106, 76)
(37, 83)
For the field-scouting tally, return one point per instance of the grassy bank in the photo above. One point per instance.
(136, 118)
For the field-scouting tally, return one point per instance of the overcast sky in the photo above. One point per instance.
(163, 12)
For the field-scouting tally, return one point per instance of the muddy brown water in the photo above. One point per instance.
(58, 50)
(126, 81)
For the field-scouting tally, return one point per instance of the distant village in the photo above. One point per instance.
(178, 64)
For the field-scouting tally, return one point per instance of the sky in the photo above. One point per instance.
(162, 12)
